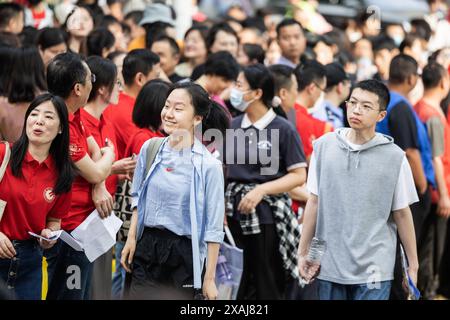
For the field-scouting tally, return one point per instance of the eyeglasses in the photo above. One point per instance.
(364, 108)
(93, 78)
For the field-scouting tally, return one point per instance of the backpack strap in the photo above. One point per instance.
(5, 159)
(152, 151)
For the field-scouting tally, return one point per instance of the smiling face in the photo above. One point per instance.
(43, 124)
(178, 114)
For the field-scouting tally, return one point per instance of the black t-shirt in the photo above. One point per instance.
(259, 156)
(402, 126)
(175, 78)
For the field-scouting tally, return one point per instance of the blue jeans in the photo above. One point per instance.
(69, 273)
(23, 273)
(118, 281)
(335, 291)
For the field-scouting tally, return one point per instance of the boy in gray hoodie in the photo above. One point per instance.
(361, 187)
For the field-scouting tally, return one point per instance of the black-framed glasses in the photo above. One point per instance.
(364, 108)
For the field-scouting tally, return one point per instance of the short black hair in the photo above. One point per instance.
(378, 88)
(282, 76)
(383, 43)
(8, 11)
(308, 72)
(154, 30)
(422, 29)
(149, 104)
(254, 52)
(258, 76)
(222, 26)
(432, 75)
(138, 60)
(136, 16)
(63, 72)
(203, 30)
(222, 64)
(106, 21)
(27, 76)
(288, 22)
(402, 67)
(49, 37)
(98, 40)
(171, 41)
(105, 74)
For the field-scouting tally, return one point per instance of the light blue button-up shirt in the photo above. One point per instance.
(203, 206)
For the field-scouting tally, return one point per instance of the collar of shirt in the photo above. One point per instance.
(48, 162)
(74, 116)
(91, 119)
(285, 61)
(261, 123)
(335, 110)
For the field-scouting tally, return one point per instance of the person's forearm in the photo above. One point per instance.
(405, 225)
(415, 162)
(211, 260)
(440, 179)
(309, 225)
(285, 183)
(299, 193)
(133, 225)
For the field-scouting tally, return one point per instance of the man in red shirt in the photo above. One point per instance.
(312, 81)
(70, 78)
(436, 84)
(139, 67)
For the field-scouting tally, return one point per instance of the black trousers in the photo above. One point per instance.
(264, 277)
(431, 249)
(162, 267)
(420, 212)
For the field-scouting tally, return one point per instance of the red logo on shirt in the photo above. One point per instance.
(49, 196)
(169, 169)
(73, 149)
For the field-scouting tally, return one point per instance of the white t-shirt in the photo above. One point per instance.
(405, 191)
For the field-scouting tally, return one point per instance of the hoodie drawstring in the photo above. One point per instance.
(357, 159)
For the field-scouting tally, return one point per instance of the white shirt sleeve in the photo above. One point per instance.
(311, 183)
(405, 192)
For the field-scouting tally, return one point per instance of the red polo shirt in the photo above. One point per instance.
(120, 116)
(82, 204)
(30, 199)
(138, 139)
(309, 128)
(101, 130)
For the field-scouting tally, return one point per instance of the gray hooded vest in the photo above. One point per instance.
(356, 191)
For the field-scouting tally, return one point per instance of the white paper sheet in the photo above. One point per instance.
(95, 235)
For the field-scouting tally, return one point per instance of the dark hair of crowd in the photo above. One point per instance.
(259, 77)
(59, 149)
(105, 74)
(27, 78)
(288, 22)
(149, 104)
(432, 75)
(63, 72)
(98, 40)
(138, 60)
(172, 43)
(221, 26)
(222, 64)
(378, 88)
(8, 11)
(254, 52)
(308, 72)
(402, 67)
(50, 37)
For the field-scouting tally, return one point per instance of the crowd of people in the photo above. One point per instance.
(281, 126)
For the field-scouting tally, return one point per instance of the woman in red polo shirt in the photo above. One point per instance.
(37, 188)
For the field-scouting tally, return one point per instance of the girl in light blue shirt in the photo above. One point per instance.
(178, 205)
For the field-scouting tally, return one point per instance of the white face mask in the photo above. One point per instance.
(237, 100)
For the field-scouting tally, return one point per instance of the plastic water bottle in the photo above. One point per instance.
(316, 250)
